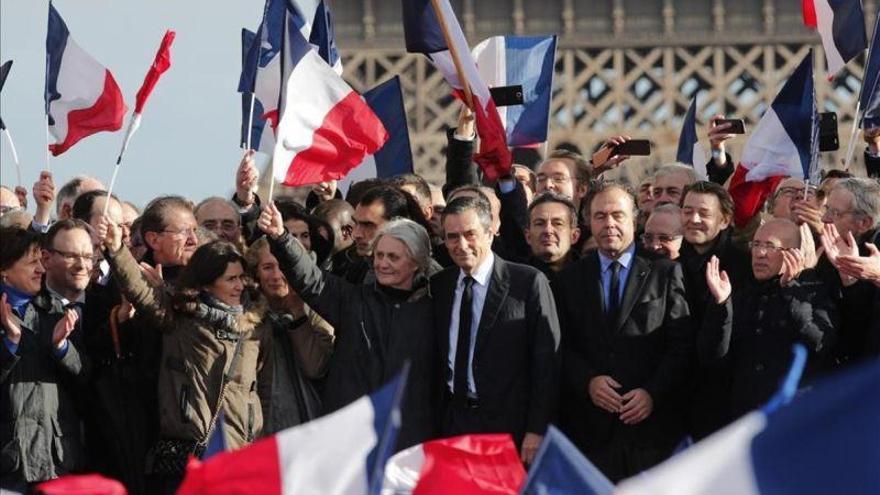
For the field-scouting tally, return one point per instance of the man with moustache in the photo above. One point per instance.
(626, 344)
(750, 329)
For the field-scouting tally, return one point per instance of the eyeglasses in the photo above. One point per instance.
(662, 238)
(766, 247)
(70, 257)
(7, 209)
(224, 225)
(791, 192)
(187, 232)
(555, 179)
(837, 214)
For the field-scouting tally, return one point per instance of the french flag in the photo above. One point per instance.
(785, 143)
(826, 440)
(424, 34)
(326, 128)
(689, 150)
(395, 157)
(81, 96)
(341, 453)
(870, 96)
(841, 25)
(528, 61)
(468, 464)
(559, 467)
(260, 140)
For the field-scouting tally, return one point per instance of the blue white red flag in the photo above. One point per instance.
(468, 464)
(395, 157)
(824, 441)
(785, 143)
(841, 25)
(424, 34)
(341, 453)
(870, 97)
(528, 61)
(689, 150)
(559, 467)
(326, 128)
(81, 95)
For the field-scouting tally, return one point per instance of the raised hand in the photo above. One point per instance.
(109, 234)
(246, 178)
(63, 328)
(837, 245)
(862, 267)
(466, 123)
(718, 135)
(9, 322)
(603, 160)
(792, 266)
(152, 273)
(270, 221)
(718, 281)
(805, 212)
(44, 196)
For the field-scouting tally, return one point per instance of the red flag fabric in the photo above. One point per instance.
(84, 484)
(160, 64)
(749, 197)
(809, 11)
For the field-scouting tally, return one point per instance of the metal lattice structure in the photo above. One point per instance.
(635, 73)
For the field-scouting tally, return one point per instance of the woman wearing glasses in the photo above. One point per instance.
(215, 348)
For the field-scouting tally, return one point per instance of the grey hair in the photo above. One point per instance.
(676, 168)
(668, 208)
(479, 205)
(866, 196)
(413, 236)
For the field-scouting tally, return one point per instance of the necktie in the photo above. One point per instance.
(462, 349)
(614, 291)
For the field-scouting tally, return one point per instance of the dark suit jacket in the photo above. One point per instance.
(647, 347)
(516, 358)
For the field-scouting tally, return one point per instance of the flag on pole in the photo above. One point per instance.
(824, 441)
(425, 34)
(468, 464)
(870, 96)
(783, 144)
(528, 61)
(81, 95)
(689, 150)
(261, 138)
(320, 34)
(395, 157)
(4, 71)
(326, 128)
(559, 467)
(341, 453)
(841, 25)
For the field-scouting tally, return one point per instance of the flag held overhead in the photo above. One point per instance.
(689, 150)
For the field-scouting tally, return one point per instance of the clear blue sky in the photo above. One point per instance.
(187, 143)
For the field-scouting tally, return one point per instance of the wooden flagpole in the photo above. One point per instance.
(469, 97)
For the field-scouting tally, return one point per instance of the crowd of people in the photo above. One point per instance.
(631, 316)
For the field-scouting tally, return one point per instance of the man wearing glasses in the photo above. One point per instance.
(221, 217)
(797, 202)
(749, 329)
(663, 232)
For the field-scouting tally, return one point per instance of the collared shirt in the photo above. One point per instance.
(103, 273)
(625, 259)
(482, 275)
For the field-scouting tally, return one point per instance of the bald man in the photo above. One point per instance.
(749, 330)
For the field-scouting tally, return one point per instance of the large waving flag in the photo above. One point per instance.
(81, 96)
(395, 157)
(841, 25)
(341, 453)
(784, 144)
(689, 150)
(525, 60)
(870, 96)
(326, 128)
(560, 467)
(827, 440)
(425, 34)
(468, 464)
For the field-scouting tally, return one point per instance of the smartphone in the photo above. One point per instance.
(633, 147)
(506, 96)
(737, 126)
(828, 138)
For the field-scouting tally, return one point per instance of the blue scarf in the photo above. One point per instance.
(17, 299)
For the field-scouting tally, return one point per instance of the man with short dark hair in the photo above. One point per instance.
(552, 231)
(566, 173)
(626, 344)
(498, 335)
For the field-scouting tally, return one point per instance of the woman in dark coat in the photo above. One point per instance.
(377, 326)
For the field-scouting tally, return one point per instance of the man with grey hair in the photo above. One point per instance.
(498, 335)
(71, 190)
(221, 217)
(663, 231)
(669, 183)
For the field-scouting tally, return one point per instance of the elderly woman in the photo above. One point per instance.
(39, 425)
(215, 352)
(377, 326)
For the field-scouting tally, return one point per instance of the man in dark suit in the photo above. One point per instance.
(498, 334)
(626, 339)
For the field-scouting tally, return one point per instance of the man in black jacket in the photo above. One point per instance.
(497, 333)
(552, 231)
(626, 344)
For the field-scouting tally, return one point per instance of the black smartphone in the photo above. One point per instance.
(828, 138)
(737, 126)
(633, 147)
(507, 96)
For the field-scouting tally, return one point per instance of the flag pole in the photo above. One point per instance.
(48, 153)
(14, 154)
(271, 179)
(133, 124)
(469, 98)
(250, 123)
